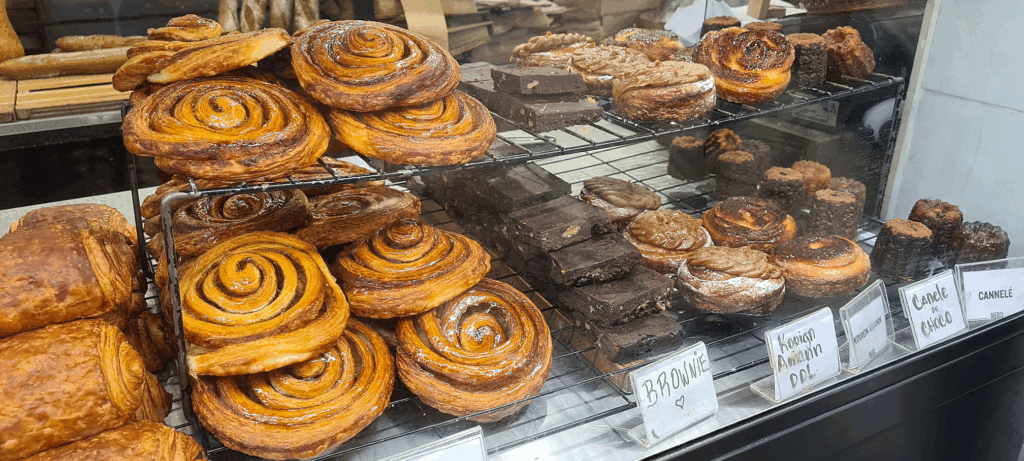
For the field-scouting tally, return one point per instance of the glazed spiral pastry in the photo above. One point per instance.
(343, 217)
(486, 348)
(727, 280)
(822, 266)
(187, 28)
(303, 409)
(340, 168)
(665, 91)
(761, 224)
(550, 50)
(204, 223)
(666, 238)
(600, 65)
(408, 267)
(622, 200)
(449, 131)
(258, 302)
(369, 66)
(750, 66)
(227, 129)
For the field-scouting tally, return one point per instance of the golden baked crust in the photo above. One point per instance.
(187, 28)
(549, 50)
(142, 440)
(622, 200)
(140, 93)
(408, 267)
(153, 339)
(600, 65)
(202, 224)
(666, 238)
(762, 224)
(487, 347)
(149, 46)
(657, 45)
(726, 280)
(343, 217)
(369, 66)
(816, 177)
(227, 129)
(134, 73)
(217, 56)
(750, 66)
(847, 54)
(822, 266)
(259, 302)
(79, 216)
(449, 131)
(303, 409)
(665, 91)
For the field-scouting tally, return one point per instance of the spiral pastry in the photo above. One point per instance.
(666, 238)
(550, 50)
(750, 66)
(202, 224)
(340, 168)
(228, 129)
(449, 131)
(622, 200)
(187, 28)
(727, 280)
(486, 348)
(600, 65)
(665, 91)
(822, 266)
(140, 93)
(408, 267)
(761, 224)
(258, 302)
(343, 217)
(370, 66)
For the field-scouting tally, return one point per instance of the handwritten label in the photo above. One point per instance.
(825, 113)
(933, 307)
(803, 353)
(993, 294)
(675, 392)
(466, 445)
(868, 335)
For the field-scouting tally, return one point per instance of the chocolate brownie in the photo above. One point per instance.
(633, 340)
(599, 259)
(639, 293)
(537, 80)
(513, 189)
(554, 224)
(540, 113)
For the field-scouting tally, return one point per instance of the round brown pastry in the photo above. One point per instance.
(408, 267)
(728, 280)
(665, 91)
(142, 440)
(486, 348)
(847, 54)
(717, 143)
(666, 238)
(902, 251)
(208, 221)
(750, 66)
(657, 45)
(943, 219)
(761, 224)
(259, 302)
(227, 129)
(764, 25)
(449, 131)
(834, 212)
(718, 23)
(369, 66)
(343, 217)
(303, 409)
(979, 241)
(811, 61)
(784, 185)
(816, 177)
(142, 92)
(187, 28)
(622, 200)
(549, 50)
(852, 186)
(819, 267)
(600, 65)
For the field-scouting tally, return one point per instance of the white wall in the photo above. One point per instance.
(962, 138)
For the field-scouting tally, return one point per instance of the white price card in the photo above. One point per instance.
(803, 353)
(868, 326)
(467, 445)
(992, 289)
(933, 308)
(675, 392)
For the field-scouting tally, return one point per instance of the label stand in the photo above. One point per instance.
(997, 293)
(766, 388)
(638, 434)
(807, 349)
(867, 320)
(934, 309)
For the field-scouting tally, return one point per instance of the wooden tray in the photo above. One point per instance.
(8, 90)
(72, 95)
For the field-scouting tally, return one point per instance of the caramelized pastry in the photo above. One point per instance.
(208, 221)
(370, 66)
(979, 241)
(81, 216)
(227, 128)
(187, 28)
(142, 440)
(549, 50)
(750, 66)
(600, 65)
(258, 302)
(486, 348)
(303, 409)
(847, 54)
(666, 238)
(622, 200)
(718, 23)
(943, 219)
(220, 55)
(665, 91)
(657, 45)
(822, 266)
(728, 280)
(449, 131)
(408, 267)
(133, 73)
(140, 93)
(153, 339)
(149, 46)
(902, 251)
(343, 217)
(761, 224)
(717, 143)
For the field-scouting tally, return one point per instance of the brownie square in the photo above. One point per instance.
(513, 189)
(557, 223)
(537, 80)
(639, 338)
(542, 113)
(643, 291)
(600, 259)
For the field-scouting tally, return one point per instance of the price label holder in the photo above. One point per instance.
(804, 355)
(673, 393)
(467, 445)
(991, 290)
(870, 337)
(934, 309)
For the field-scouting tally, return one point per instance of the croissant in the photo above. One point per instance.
(370, 66)
(258, 302)
(750, 66)
(227, 129)
(408, 267)
(761, 224)
(343, 217)
(303, 409)
(68, 382)
(450, 131)
(187, 28)
(204, 223)
(144, 440)
(488, 348)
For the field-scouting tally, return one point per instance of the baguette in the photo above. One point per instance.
(57, 64)
(96, 42)
(228, 15)
(306, 13)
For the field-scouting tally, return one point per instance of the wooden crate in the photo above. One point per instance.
(72, 95)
